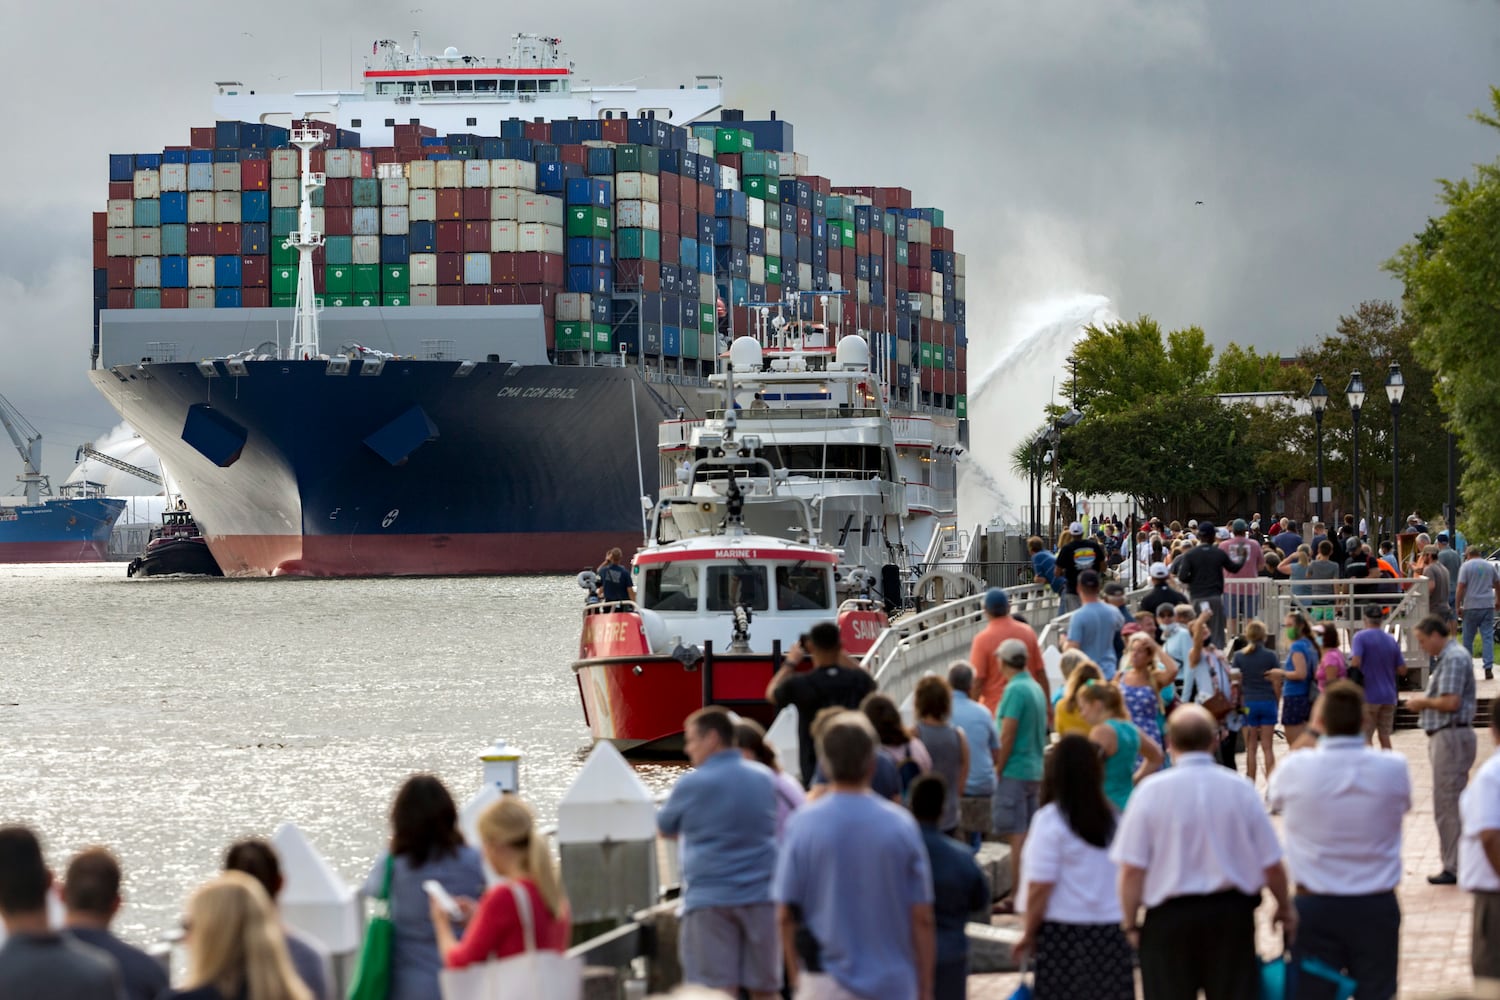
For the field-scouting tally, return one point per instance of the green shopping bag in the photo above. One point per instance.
(372, 976)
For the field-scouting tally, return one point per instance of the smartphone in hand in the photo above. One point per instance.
(447, 903)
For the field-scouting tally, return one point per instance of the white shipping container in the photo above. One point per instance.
(423, 270)
(423, 295)
(959, 293)
(926, 303)
(148, 184)
(395, 220)
(543, 208)
(365, 250)
(200, 206)
(903, 352)
(786, 164)
(804, 275)
(476, 173)
(226, 176)
(390, 171)
(476, 267)
(317, 220)
(705, 147)
(757, 269)
(862, 291)
(450, 173)
(422, 205)
(285, 163)
(835, 282)
(773, 243)
(367, 222)
(394, 190)
(226, 206)
(200, 272)
(200, 176)
(284, 193)
(503, 234)
(120, 243)
(200, 298)
(924, 232)
(121, 212)
(729, 178)
(533, 238)
(638, 215)
(338, 162)
(573, 306)
(147, 244)
(174, 176)
(505, 203)
(937, 284)
(632, 186)
(755, 212)
(513, 174)
(706, 291)
(958, 267)
(937, 308)
(422, 173)
(148, 272)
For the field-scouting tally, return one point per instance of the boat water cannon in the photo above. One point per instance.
(589, 581)
(740, 640)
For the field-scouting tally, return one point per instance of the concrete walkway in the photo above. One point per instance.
(1435, 923)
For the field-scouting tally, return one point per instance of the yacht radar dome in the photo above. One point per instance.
(853, 353)
(744, 354)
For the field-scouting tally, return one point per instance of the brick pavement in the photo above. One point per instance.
(1435, 919)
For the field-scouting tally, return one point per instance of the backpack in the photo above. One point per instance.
(907, 769)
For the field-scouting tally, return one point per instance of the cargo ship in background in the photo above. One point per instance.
(521, 279)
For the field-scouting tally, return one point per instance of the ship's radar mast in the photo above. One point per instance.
(306, 239)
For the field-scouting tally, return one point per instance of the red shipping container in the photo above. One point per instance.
(476, 206)
(902, 278)
(729, 160)
(450, 203)
(200, 239)
(917, 279)
(862, 244)
(669, 223)
(450, 268)
(202, 138)
(365, 163)
(174, 298)
(409, 154)
(338, 221)
(578, 155)
(540, 269)
(320, 279)
(101, 253)
(848, 266)
(616, 130)
(227, 239)
(339, 192)
(877, 243)
(384, 155)
(537, 131)
(476, 295)
(121, 272)
(101, 225)
(476, 237)
(436, 151)
(670, 189)
(528, 295)
(255, 298)
(503, 268)
(822, 185)
(705, 199)
(773, 292)
(255, 271)
(450, 236)
(897, 197)
(119, 190)
(804, 222)
(120, 298)
(671, 247)
(450, 295)
(927, 379)
(255, 175)
(687, 219)
(687, 191)
(315, 160)
(942, 238)
(504, 295)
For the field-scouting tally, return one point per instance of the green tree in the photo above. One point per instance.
(1121, 365)
(1244, 369)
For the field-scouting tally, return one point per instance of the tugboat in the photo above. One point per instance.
(731, 574)
(177, 548)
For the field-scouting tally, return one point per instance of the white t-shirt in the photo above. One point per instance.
(1084, 880)
(1479, 810)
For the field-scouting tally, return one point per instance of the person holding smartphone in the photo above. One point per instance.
(1202, 570)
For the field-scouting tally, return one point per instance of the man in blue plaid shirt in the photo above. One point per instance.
(1446, 714)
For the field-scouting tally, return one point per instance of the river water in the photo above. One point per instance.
(166, 718)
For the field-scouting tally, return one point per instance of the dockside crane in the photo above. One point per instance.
(28, 441)
(89, 451)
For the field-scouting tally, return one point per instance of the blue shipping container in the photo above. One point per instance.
(255, 206)
(689, 317)
(394, 249)
(706, 229)
(147, 212)
(546, 152)
(706, 258)
(227, 135)
(671, 341)
(148, 161)
(775, 135)
(601, 160)
(121, 167)
(755, 240)
(423, 237)
(173, 207)
(227, 272)
(200, 156)
(255, 238)
(226, 298)
(602, 282)
(174, 272)
(599, 307)
(581, 279)
(729, 204)
(688, 252)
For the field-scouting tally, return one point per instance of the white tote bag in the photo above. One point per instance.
(532, 975)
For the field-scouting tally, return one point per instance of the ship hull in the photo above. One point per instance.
(417, 468)
(67, 530)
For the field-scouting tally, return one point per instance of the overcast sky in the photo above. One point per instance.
(1066, 140)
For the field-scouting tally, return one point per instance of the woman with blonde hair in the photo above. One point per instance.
(518, 853)
(1121, 742)
(1083, 671)
(236, 950)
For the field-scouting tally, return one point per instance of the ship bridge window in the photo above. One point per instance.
(844, 461)
(442, 86)
(730, 586)
(547, 86)
(802, 588)
(466, 86)
(485, 86)
(672, 587)
(526, 86)
(385, 88)
(507, 86)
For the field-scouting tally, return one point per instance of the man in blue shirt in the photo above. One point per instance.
(725, 812)
(854, 878)
(984, 749)
(614, 579)
(1094, 625)
(91, 892)
(959, 888)
(1044, 565)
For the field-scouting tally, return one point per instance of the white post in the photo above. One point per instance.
(306, 239)
(606, 835)
(317, 902)
(501, 776)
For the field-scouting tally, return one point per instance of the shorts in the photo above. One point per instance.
(1014, 803)
(725, 947)
(1321, 613)
(1295, 709)
(1260, 713)
(974, 814)
(1379, 719)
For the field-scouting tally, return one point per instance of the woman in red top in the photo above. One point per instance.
(519, 854)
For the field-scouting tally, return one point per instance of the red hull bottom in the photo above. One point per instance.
(52, 552)
(639, 705)
(492, 554)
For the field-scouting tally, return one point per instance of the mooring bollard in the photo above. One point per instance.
(501, 775)
(317, 902)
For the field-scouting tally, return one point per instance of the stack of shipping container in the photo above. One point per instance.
(627, 233)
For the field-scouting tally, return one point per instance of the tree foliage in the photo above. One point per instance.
(1121, 365)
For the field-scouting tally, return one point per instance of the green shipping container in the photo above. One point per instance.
(282, 254)
(937, 217)
(962, 404)
(706, 322)
(848, 232)
(773, 270)
(284, 280)
(569, 335)
(338, 250)
(762, 164)
(338, 280)
(366, 279)
(366, 192)
(633, 159)
(588, 221)
(148, 298)
(337, 300)
(888, 223)
(601, 337)
(833, 207)
(602, 223)
(395, 299)
(366, 300)
(765, 188)
(465, 152)
(689, 344)
(773, 216)
(727, 140)
(901, 257)
(281, 300)
(395, 278)
(637, 244)
(926, 356)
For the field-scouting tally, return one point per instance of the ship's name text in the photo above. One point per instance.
(535, 392)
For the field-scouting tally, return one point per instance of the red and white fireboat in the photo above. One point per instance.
(731, 575)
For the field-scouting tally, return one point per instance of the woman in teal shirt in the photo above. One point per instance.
(1120, 742)
(1296, 676)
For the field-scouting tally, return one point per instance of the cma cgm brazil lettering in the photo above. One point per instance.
(519, 276)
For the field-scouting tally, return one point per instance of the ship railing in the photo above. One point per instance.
(671, 378)
(797, 413)
(855, 475)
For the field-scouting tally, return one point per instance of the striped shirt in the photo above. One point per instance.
(1452, 673)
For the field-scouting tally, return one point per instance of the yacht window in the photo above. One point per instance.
(548, 86)
(802, 588)
(730, 586)
(672, 587)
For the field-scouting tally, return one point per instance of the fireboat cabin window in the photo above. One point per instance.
(731, 586)
(673, 587)
(802, 588)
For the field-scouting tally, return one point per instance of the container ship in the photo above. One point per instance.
(517, 277)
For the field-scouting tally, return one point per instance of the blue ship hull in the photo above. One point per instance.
(63, 530)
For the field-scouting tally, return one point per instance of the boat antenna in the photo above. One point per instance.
(306, 239)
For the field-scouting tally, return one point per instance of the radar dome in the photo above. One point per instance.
(853, 353)
(450, 53)
(744, 354)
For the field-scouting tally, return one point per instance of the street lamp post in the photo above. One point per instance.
(1355, 393)
(1318, 397)
(1395, 388)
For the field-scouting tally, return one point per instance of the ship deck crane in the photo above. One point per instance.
(87, 450)
(28, 441)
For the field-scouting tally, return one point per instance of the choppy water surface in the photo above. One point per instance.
(166, 718)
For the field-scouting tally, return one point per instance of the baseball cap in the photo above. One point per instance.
(1240, 525)
(1205, 529)
(1114, 588)
(1221, 533)
(996, 601)
(1088, 580)
(1013, 652)
(1076, 528)
(1442, 536)
(1159, 571)
(1193, 523)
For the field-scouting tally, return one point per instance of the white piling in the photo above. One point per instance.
(316, 901)
(606, 835)
(782, 737)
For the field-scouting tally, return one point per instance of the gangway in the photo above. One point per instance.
(28, 441)
(87, 450)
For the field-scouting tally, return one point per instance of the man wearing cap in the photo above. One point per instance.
(1203, 568)
(1242, 591)
(1161, 590)
(1082, 553)
(1094, 627)
(1023, 741)
(989, 679)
